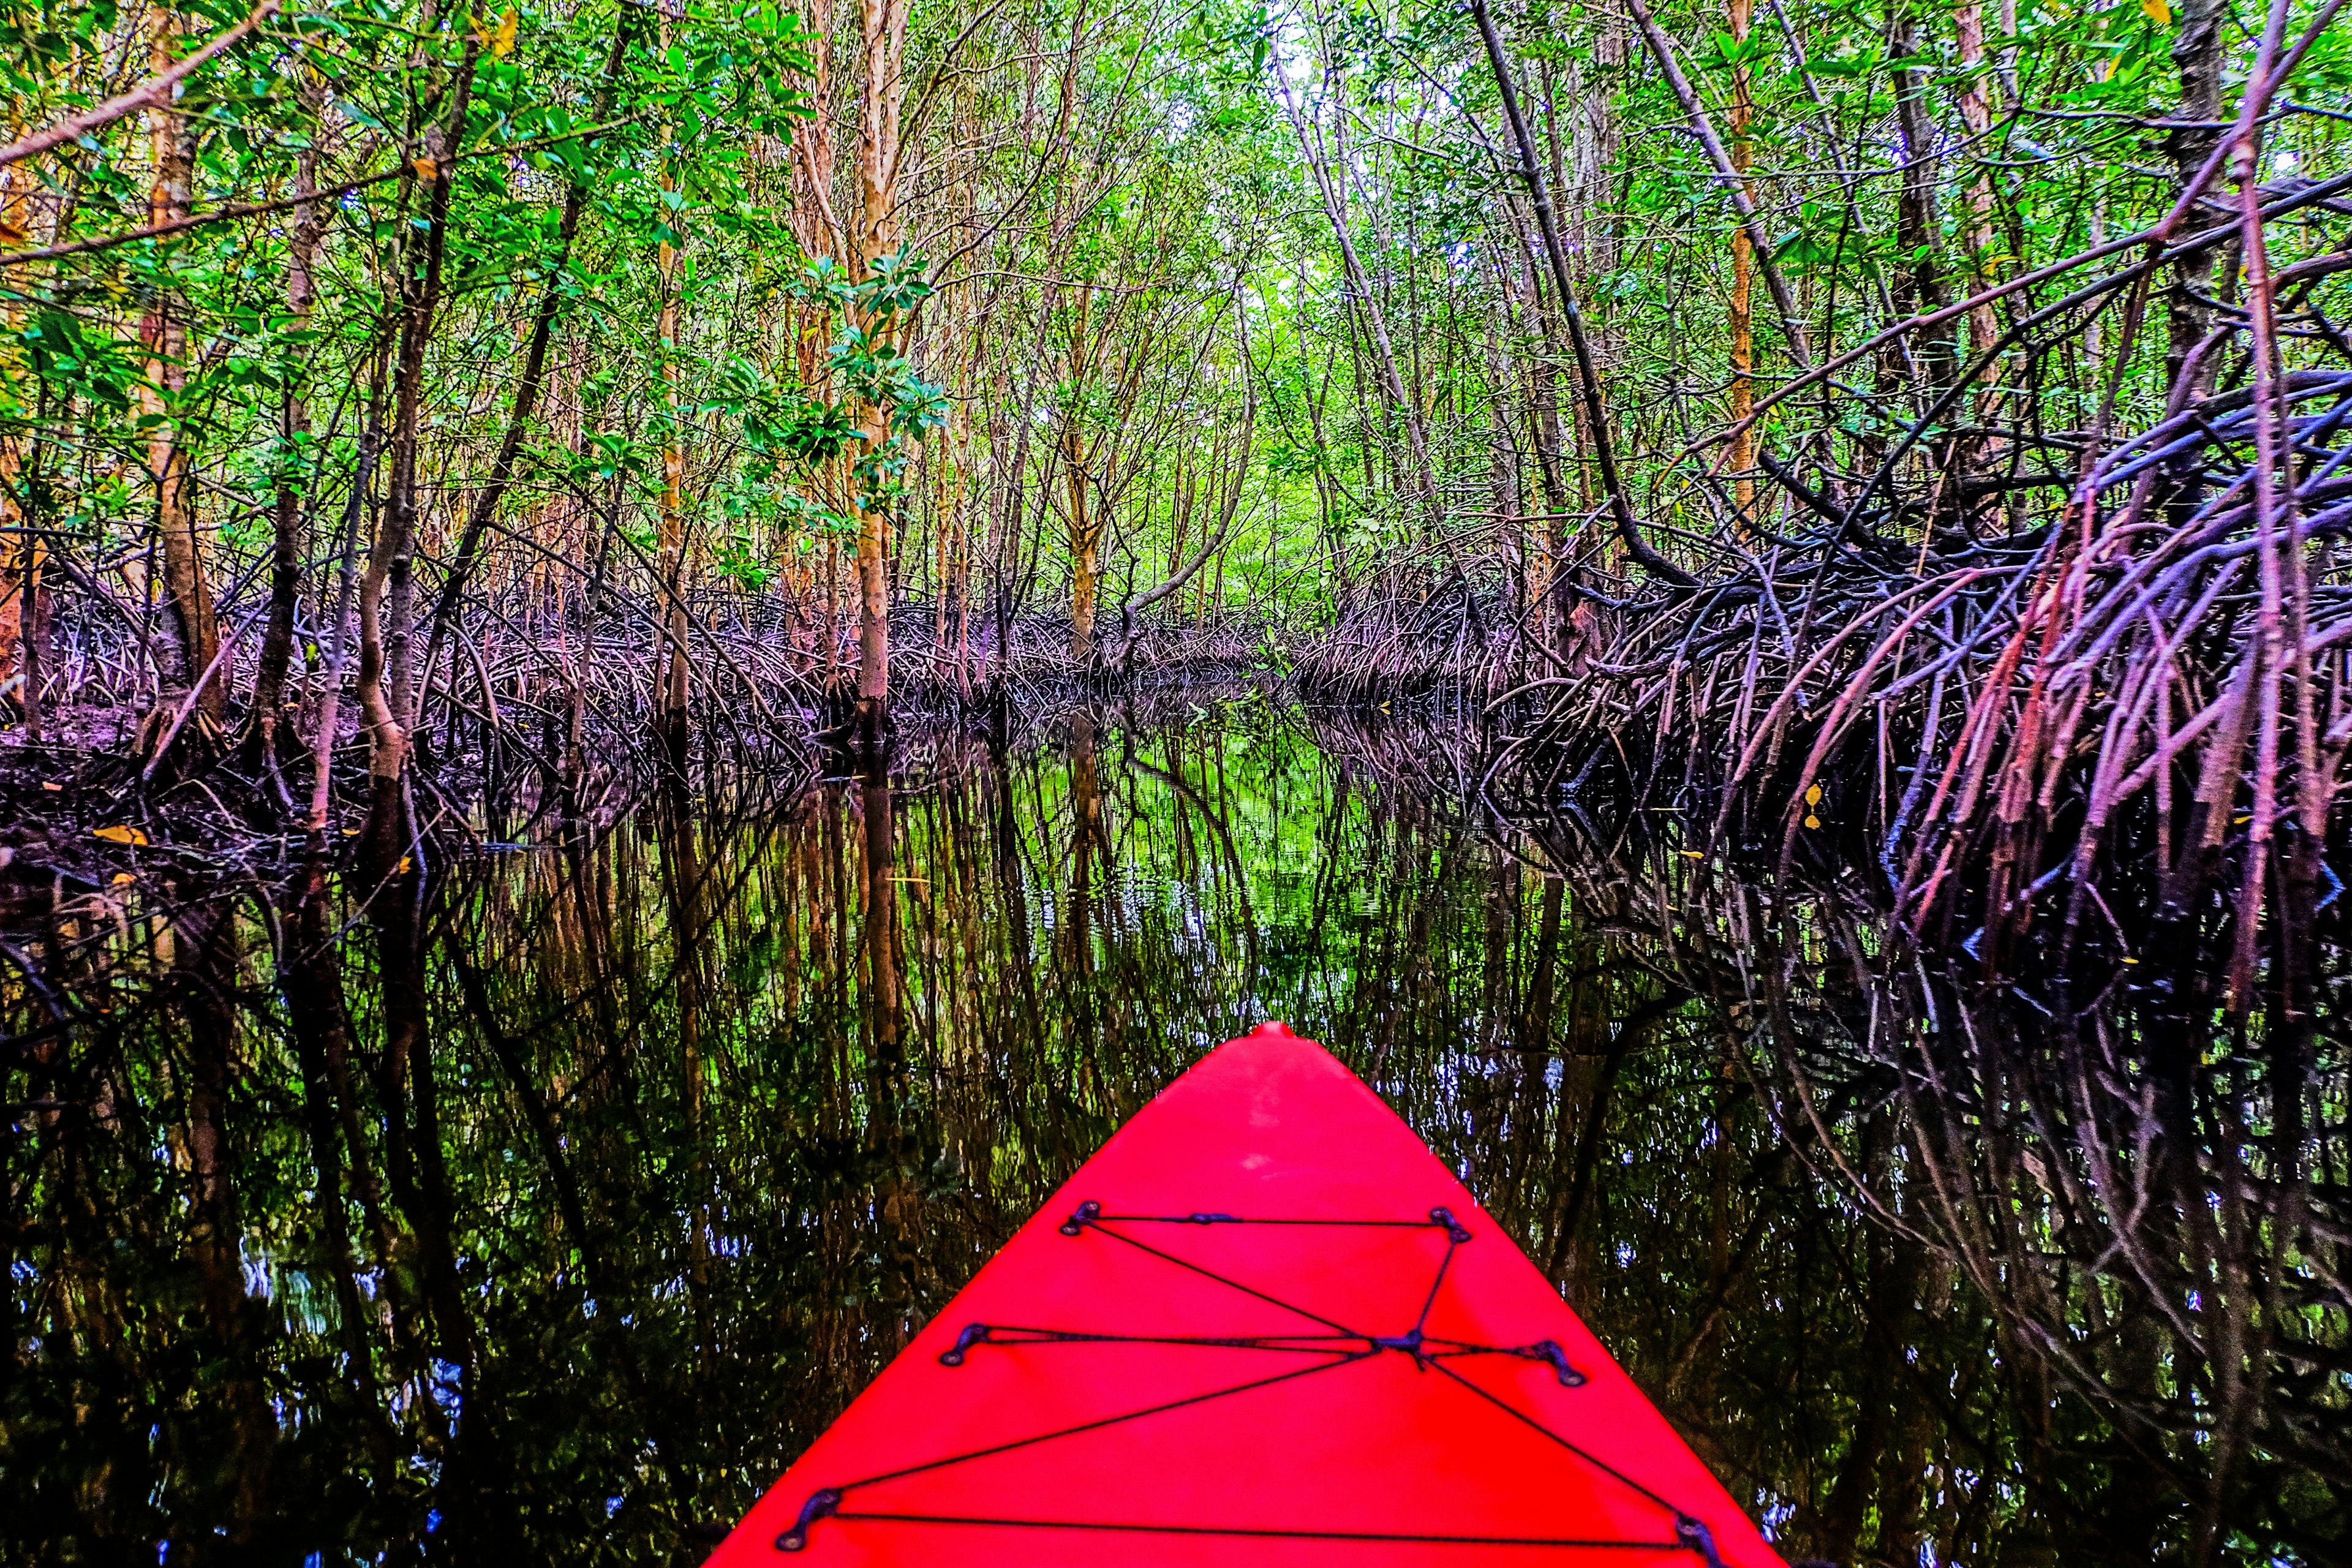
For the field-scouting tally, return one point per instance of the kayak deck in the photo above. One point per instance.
(1261, 1324)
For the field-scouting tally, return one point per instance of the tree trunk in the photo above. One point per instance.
(289, 541)
(1920, 282)
(2197, 54)
(1588, 381)
(355, 512)
(1086, 527)
(20, 547)
(1743, 279)
(885, 26)
(1976, 113)
(193, 632)
(386, 687)
(670, 678)
(22, 557)
(2188, 317)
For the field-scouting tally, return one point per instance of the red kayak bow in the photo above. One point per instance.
(1262, 1325)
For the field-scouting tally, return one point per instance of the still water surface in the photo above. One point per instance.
(546, 1212)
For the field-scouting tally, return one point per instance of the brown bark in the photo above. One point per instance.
(670, 696)
(817, 227)
(355, 512)
(289, 541)
(884, 23)
(1792, 321)
(1743, 277)
(38, 616)
(193, 633)
(23, 595)
(1502, 463)
(1975, 112)
(386, 684)
(2197, 54)
(1920, 282)
(956, 468)
(1085, 526)
(20, 548)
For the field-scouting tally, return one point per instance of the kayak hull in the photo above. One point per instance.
(1264, 1324)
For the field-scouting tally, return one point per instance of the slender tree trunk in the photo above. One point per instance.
(290, 540)
(1917, 229)
(1976, 113)
(356, 508)
(193, 634)
(885, 28)
(670, 698)
(832, 665)
(2197, 54)
(1743, 279)
(1503, 472)
(386, 687)
(1086, 527)
(37, 611)
(20, 547)
(1589, 380)
(818, 230)
(23, 596)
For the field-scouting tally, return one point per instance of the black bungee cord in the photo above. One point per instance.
(1341, 1346)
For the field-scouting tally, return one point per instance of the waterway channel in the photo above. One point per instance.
(545, 1216)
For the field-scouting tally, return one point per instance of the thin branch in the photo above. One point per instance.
(155, 92)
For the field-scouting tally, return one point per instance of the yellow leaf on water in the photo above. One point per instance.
(1813, 821)
(1814, 796)
(123, 879)
(123, 833)
(2158, 12)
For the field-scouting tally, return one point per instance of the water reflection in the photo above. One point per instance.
(549, 1203)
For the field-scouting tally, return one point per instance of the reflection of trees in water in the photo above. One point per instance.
(2158, 1227)
(564, 1206)
(2099, 1286)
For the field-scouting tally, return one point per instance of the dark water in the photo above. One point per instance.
(548, 1209)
